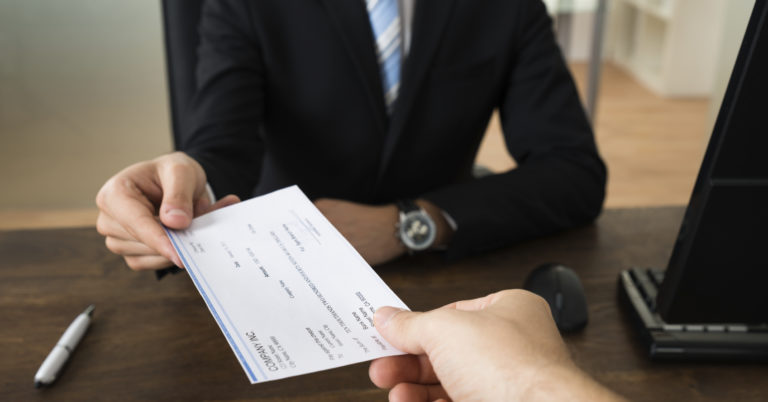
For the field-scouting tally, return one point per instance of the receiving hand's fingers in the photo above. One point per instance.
(145, 262)
(387, 372)
(406, 392)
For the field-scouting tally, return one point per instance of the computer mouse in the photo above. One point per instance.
(561, 288)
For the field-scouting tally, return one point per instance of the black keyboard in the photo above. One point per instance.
(648, 281)
(639, 288)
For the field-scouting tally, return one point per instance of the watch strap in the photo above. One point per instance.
(407, 205)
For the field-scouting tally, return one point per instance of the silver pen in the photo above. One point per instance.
(49, 370)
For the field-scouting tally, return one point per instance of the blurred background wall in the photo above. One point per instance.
(82, 95)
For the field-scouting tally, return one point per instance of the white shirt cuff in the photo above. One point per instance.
(211, 195)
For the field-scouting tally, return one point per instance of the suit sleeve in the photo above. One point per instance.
(560, 179)
(223, 123)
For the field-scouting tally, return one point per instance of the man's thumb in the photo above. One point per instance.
(400, 328)
(178, 196)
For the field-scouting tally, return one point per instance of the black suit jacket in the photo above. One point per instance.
(289, 92)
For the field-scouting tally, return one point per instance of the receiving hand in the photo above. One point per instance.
(370, 229)
(133, 203)
(501, 347)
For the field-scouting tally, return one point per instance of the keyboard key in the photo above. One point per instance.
(657, 276)
(737, 328)
(647, 287)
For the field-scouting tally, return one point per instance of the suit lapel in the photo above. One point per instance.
(351, 21)
(429, 22)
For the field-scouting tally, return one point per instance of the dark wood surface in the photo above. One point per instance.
(155, 340)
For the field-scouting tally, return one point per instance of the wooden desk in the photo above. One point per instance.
(155, 340)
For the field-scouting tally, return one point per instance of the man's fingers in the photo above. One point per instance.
(387, 372)
(400, 328)
(108, 227)
(202, 205)
(146, 262)
(121, 242)
(139, 222)
(129, 247)
(129, 202)
(224, 202)
(181, 185)
(406, 392)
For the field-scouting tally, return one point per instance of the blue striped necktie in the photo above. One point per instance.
(385, 21)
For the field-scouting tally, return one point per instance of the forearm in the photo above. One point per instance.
(221, 127)
(536, 199)
(560, 179)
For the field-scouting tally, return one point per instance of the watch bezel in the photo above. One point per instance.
(419, 215)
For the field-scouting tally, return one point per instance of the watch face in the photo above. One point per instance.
(417, 231)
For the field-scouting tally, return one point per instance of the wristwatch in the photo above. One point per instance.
(416, 228)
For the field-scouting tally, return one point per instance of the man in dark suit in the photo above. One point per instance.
(377, 116)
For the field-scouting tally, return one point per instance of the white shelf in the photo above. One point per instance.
(668, 45)
(570, 6)
(658, 8)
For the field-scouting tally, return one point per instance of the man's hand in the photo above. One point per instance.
(169, 190)
(370, 229)
(501, 347)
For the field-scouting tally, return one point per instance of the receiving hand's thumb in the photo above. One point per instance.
(400, 328)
